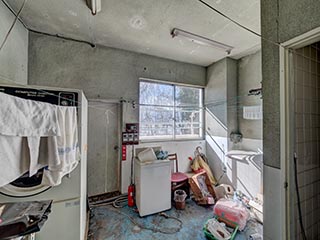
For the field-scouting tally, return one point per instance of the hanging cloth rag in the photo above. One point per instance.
(14, 158)
(63, 150)
(22, 123)
(27, 118)
(34, 135)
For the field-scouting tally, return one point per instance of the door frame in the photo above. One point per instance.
(287, 133)
(119, 117)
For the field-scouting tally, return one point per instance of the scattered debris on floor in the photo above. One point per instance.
(202, 189)
(224, 191)
(231, 207)
(216, 230)
(213, 211)
(103, 197)
(106, 222)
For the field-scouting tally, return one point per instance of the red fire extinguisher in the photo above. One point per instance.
(131, 188)
(131, 195)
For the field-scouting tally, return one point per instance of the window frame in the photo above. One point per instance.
(174, 135)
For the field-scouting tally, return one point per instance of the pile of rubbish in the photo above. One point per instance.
(214, 229)
(232, 209)
(203, 181)
(200, 164)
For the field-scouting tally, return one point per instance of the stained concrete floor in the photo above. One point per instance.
(107, 223)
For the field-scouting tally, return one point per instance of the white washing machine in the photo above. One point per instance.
(67, 220)
(153, 186)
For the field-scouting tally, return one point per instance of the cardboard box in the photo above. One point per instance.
(202, 189)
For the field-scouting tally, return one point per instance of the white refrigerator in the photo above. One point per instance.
(153, 186)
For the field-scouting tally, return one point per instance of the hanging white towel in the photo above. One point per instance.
(21, 117)
(22, 123)
(14, 158)
(64, 149)
(34, 135)
(34, 146)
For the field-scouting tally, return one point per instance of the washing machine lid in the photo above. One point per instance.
(25, 186)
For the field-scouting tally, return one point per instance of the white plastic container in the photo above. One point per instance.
(147, 155)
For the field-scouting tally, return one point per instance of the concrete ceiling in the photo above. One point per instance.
(144, 26)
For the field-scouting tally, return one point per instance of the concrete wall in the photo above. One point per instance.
(281, 20)
(107, 73)
(249, 77)
(232, 95)
(221, 116)
(245, 174)
(14, 55)
(228, 84)
(220, 93)
(216, 92)
(102, 72)
(226, 93)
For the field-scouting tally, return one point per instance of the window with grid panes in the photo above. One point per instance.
(170, 112)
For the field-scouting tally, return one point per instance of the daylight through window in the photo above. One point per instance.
(170, 112)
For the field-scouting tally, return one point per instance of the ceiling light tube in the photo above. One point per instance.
(176, 32)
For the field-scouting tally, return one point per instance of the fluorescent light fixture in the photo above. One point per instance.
(94, 5)
(200, 40)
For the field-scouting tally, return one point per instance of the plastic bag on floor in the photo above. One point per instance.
(233, 212)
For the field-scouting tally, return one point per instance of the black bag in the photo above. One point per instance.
(23, 218)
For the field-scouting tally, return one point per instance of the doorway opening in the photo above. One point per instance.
(300, 134)
(104, 173)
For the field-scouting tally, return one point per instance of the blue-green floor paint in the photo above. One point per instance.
(107, 223)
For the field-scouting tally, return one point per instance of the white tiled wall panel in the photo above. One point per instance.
(307, 137)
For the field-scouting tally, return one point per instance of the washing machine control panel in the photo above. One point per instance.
(62, 98)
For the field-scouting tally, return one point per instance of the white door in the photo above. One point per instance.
(103, 147)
